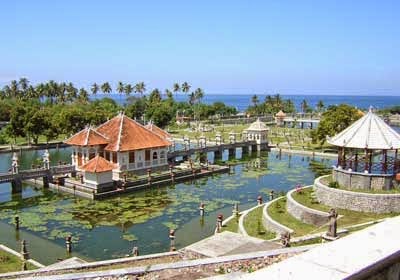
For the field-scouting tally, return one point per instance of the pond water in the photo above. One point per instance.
(110, 228)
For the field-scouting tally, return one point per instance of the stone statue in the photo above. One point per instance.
(285, 239)
(332, 230)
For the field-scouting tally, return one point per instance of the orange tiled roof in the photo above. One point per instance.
(126, 134)
(98, 164)
(160, 132)
(87, 137)
(280, 114)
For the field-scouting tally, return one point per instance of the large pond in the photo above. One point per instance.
(110, 228)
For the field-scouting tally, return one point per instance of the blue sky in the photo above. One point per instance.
(309, 47)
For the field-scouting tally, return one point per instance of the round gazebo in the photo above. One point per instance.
(368, 154)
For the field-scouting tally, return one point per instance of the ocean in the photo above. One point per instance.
(242, 101)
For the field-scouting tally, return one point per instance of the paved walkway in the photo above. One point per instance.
(229, 243)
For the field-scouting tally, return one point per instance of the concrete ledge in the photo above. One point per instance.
(303, 213)
(356, 201)
(272, 225)
(15, 253)
(54, 269)
(362, 255)
(177, 265)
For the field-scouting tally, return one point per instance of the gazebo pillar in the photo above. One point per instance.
(356, 162)
(384, 164)
(370, 161)
(366, 160)
(395, 164)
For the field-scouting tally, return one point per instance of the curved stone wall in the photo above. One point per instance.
(241, 228)
(364, 181)
(357, 201)
(271, 224)
(303, 213)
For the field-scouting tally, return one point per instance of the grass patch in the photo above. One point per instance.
(349, 217)
(10, 263)
(277, 211)
(254, 227)
(232, 225)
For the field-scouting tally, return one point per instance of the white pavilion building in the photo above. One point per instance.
(368, 154)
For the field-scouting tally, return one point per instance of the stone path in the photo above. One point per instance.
(229, 243)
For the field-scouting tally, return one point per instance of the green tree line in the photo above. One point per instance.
(52, 109)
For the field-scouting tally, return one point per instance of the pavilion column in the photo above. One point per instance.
(339, 159)
(370, 161)
(396, 163)
(366, 160)
(356, 162)
(384, 165)
(344, 165)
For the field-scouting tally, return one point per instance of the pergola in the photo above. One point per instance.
(363, 141)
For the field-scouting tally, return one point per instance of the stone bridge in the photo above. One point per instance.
(247, 146)
(16, 177)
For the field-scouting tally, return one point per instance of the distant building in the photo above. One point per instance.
(280, 118)
(257, 131)
(123, 142)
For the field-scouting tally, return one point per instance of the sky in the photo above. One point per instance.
(228, 47)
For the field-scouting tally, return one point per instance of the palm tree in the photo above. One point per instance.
(128, 89)
(304, 106)
(168, 94)
(83, 95)
(121, 90)
(254, 100)
(140, 88)
(23, 85)
(320, 106)
(14, 88)
(185, 87)
(94, 89)
(106, 88)
(198, 95)
(176, 88)
(72, 92)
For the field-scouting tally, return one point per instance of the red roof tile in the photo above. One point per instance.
(126, 134)
(87, 137)
(160, 132)
(98, 164)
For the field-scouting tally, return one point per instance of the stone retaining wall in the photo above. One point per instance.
(357, 201)
(303, 213)
(272, 225)
(363, 181)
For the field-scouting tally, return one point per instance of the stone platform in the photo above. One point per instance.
(229, 243)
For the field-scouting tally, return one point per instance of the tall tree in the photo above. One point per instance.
(185, 87)
(23, 84)
(140, 88)
(94, 89)
(254, 100)
(83, 95)
(176, 88)
(320, 106)
(128, 89)
(120, 90)
(106, 88)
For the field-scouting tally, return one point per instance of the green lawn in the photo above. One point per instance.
(9, 263)
(349, 217)
(232, 225)
(254, 227)
(277, 211)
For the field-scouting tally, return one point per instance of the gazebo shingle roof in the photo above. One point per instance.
(257, 126)
(369, 132)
